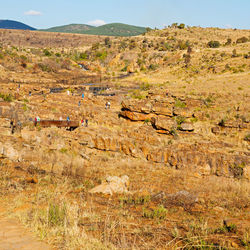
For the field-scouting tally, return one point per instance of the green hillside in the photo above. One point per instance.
(112, 29)
(116, 29)
(70, 28)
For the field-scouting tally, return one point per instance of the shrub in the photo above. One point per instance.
(57, 54)
(181, 26)
(179, 104)
(237, 170)
(107, 42)
(6, 97)
(180, 119)
(83, 55)
(229, 41)
(213, 44)
(247, 137)
(145, 86)
(153, 66)
(101, 55)
(157, 213)
(56, 215)
(24, 58)
(46, 52)
(242, 40)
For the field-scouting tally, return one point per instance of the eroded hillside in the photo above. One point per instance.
(177, 127)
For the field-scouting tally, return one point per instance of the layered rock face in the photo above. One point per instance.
(164, 128)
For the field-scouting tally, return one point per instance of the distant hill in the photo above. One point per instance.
(112, 29)
(117, 29)
(70, 28)
(10, 24)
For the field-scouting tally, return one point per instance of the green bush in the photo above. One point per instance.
(179, 104)
(229, 41)
(46, 52)
(157, 213)
(181, 26)
(83, 56)
(213, 44)
(153, 66)
(6, 97)
(242, 40)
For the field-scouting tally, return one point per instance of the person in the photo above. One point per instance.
(35, 121)
(68, 119)
(29, 93)
(60, 118)
(38, 119)
(67, 92)
(79, 103)
(108, 105)
(82, 122)
(86, 122)
(82, 95)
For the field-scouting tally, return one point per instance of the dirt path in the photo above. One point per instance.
(13, 236)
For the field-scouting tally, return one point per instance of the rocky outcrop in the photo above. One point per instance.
(186, 126)
(163, 123)
(134, 116)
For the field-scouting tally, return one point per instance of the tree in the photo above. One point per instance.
(181, 26)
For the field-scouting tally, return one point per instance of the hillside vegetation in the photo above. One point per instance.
(112, 29)
(71, 28)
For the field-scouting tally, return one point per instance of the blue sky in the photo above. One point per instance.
(148, 13)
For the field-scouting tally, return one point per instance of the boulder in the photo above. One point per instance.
(137, 106)
(186, 126)
(163, 123)
(163, 110)
(134, 116)
(112, 184)
(185, 112)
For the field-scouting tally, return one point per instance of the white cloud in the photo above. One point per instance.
(96, 22)
(33, 13)
(228, 26)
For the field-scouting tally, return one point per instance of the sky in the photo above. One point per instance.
(42, 14)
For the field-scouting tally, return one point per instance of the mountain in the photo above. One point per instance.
(10, 24)
(112, 29)
(70, 28)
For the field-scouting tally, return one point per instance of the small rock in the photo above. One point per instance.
(31, 180)
(215, 130)
(234, 245)
(113, 184)
(186, 126)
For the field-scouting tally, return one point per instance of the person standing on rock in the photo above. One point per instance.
(86, 122)
(68, 119)
(82, 122)
(82, 95)
(79, 103)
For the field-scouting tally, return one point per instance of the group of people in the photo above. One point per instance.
(37, 119)
(86, 122)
